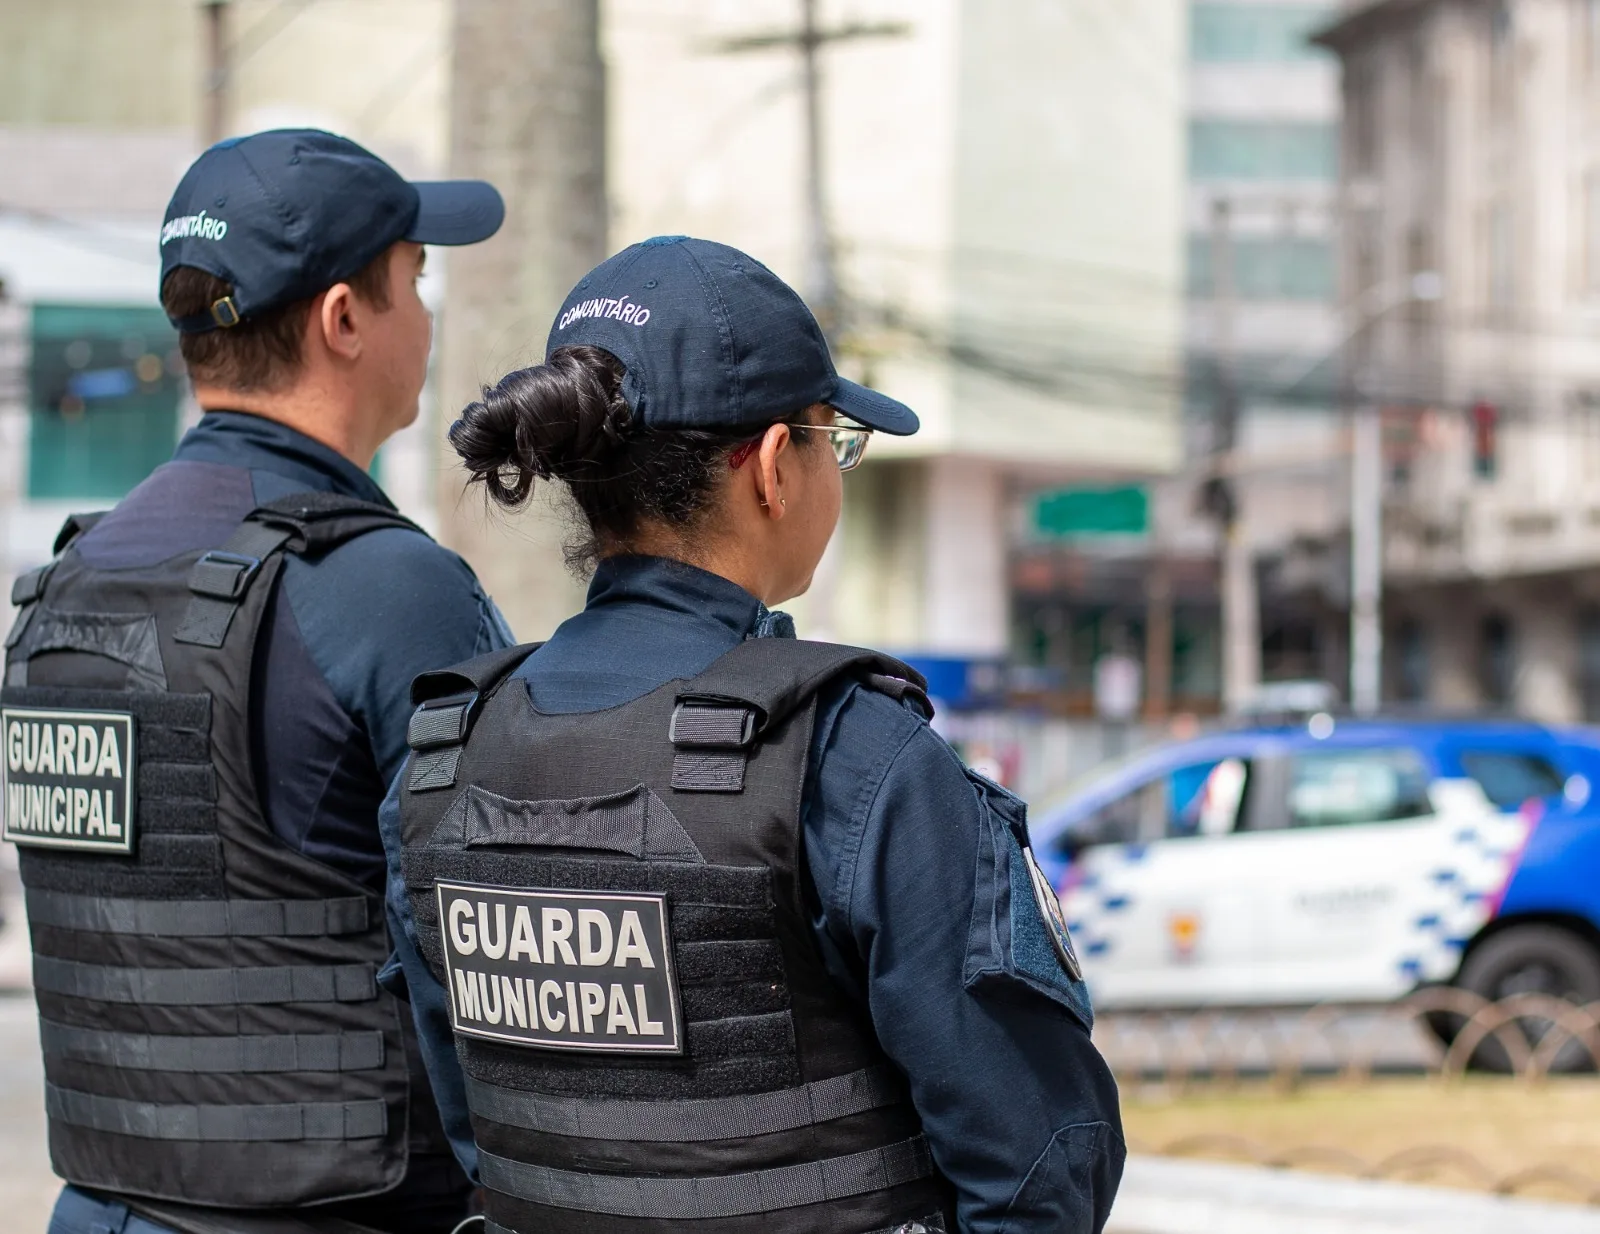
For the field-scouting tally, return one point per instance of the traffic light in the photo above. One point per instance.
(1485, 421)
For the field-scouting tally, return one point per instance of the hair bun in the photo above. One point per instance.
(555, 420)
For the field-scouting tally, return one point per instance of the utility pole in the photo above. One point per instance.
(527, 113)
(821, 282)
(1158, 631)
(1241, 619)
(214, 101)
(1366, 557)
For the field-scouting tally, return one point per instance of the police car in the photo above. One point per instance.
(1335, 860)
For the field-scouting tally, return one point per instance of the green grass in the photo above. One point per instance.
(1506, 1125)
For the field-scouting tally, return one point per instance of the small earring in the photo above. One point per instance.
(782, 501)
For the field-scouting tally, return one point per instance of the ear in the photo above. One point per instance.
(337, 317)
(772, 463)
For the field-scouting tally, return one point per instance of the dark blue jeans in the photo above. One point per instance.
(77, 1212)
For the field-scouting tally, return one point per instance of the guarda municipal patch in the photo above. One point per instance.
(1055, 923)
(561, 970)
(69, 778)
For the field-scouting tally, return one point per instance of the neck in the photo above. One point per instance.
(721, 556)
(307, 409)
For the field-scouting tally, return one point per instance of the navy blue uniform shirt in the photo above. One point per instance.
(344, 635)
(902, 845)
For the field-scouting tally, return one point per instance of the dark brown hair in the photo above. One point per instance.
(567, 420)
(262, 352)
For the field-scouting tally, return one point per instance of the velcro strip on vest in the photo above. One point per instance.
(219, 580)
(712, 741)
(362, 1051)
(206, 987)
(705, 1197)
(718, 1118)
(199, 918)
(145, 1120)
(435, 769)
(436, 733)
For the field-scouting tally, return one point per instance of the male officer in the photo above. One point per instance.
(205, 697)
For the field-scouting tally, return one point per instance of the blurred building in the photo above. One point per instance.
(1261, 427)
(1003, 189)
(100, 112)
(1471, 177)
(1004, 200)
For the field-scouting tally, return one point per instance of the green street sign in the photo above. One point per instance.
(1069, 512)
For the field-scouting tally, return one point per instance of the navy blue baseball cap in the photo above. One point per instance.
(711, 338)
(284, 215)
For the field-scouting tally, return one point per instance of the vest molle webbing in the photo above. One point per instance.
(613, 899)
(213, 1032)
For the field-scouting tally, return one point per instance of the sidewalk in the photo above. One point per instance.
(1167, 1196)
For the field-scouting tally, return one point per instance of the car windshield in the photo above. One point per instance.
(1100, 776)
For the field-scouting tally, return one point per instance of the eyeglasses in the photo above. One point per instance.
(849, 443)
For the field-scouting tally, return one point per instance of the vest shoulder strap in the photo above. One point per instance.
(479, 675)
(75, 526)
(447, 702)
(760, 683)
(772, 677)
(308, 524)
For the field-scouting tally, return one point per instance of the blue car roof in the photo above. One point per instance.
(1429, 737)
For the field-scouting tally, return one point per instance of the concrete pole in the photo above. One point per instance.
(822, 284)
(214, 104)
(528, 114)
(1241, 619)
(1366, 559)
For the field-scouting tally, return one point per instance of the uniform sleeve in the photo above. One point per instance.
(925, 910)
(420, 608)
(408, 976)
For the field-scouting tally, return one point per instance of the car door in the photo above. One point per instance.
(1370, 886)
(1151, 899)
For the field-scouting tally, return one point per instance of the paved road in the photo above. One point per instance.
(1188, 1197)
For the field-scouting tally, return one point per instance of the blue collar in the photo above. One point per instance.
(676, 586)
(239, 439)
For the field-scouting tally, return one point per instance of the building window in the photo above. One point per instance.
(103, 399)
(1411, 653)
(1256, 150)
(1234, 33)
(1267, 268)
(1496, 661)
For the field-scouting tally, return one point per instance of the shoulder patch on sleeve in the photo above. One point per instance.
(1019, 938)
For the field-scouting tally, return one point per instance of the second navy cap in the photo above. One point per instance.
(286, 214)
(711, 338)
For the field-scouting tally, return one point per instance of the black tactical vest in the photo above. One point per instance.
(649, 1037)
(212, 1029)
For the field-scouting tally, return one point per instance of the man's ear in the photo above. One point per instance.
(336, 316)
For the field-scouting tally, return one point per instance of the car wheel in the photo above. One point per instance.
(1532, 959)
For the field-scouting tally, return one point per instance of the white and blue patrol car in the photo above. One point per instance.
(1334, 860)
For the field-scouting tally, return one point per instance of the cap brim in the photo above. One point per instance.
(876, 411)
(456, 212)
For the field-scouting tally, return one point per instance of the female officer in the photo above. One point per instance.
(728, 939)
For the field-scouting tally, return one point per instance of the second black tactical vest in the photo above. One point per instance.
(614, 899)
(212, 1028)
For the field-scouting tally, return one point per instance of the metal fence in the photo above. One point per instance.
(1434, 1031)
(1442, 1033)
